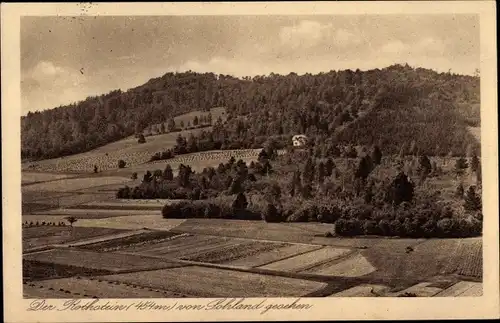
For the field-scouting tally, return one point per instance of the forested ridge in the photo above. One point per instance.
(397, 108)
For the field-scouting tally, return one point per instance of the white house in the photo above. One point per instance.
(299, 140)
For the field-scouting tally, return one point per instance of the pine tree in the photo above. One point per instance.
(459, 192)
(168, 174)
(472, 200)
(329, 166)
(376, 155)
(474, 163)
(321, 172)
(401, 190)
(424, 167)
(236, 186)
(240, 202)
(460, 165)
(308, 171)
(365, 167)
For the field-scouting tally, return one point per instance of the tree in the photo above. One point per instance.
(365, 167)
(321, 172)
(329, 166)
(400, 190)
(240, 202)
(171, 125)
(141, 139)
(472, 200)
(308, 171)
(95, 169)
(459, 192)
(195, 121)
(474, 163)
(460, 165)
(236, 186)
(295, 183)
(134, 175)
(376, 155)
(121, 163)
(271, 214)
(168, 174)
(183, 175)
(424, 167)
(148, 177)
(182, 124)
(162, 127)
(71, 220)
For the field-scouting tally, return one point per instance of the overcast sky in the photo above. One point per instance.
(67, 59)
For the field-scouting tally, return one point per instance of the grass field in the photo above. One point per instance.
(211, 282)
(97, 260)
(35, 177)
(430, 258)
(39, 270)
(88, 287)
(235, 251)
(83, 213)
(73, 184)
(288, 232)
(304, 261)
(354, 266)
(49, 235)
(149, 238)
(269, 256)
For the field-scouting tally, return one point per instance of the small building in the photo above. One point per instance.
(299, 140)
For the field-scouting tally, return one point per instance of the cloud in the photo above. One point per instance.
(308, 34)
(395, 47)
(47, 85)
(430, 46)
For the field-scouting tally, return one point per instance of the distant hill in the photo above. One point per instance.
(394, 106)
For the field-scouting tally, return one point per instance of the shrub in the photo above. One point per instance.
(141, 139)
(121, 163)
(271, 214)
(134, 175)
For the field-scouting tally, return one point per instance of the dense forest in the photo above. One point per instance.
(390, 107)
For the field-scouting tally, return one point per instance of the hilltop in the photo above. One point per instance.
(398, 108)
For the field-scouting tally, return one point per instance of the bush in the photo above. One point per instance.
(271, 214)
(122, 163)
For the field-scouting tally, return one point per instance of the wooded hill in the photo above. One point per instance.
(397, 107)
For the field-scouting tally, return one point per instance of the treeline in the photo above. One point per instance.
(228, 178)
(386, 107)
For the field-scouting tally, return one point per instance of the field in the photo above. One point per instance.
(124, 248)
(35, 177)
(107, 157)
(353, 266)
(211, 282)
(307, 260)
(84, 287)
(49, 235)
(430, 258)
(74, 184)
(97, 260)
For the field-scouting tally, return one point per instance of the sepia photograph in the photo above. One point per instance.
(244, 156)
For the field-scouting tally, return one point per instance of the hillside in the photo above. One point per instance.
(392, 106)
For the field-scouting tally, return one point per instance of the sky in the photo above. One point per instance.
(66, 59)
